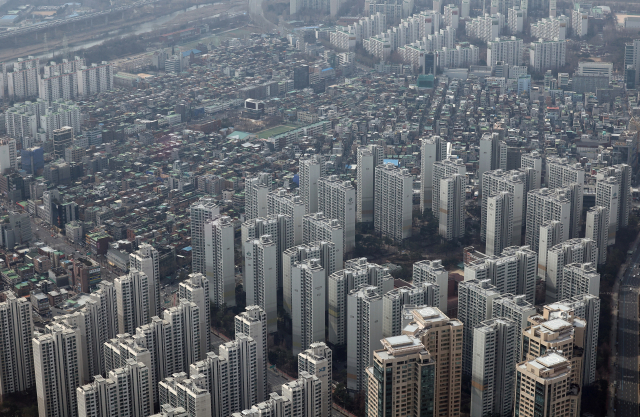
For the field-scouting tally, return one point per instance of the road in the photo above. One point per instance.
(627, 340)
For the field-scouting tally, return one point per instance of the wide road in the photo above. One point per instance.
(627, 372)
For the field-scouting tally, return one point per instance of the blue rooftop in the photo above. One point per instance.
(195, 52)
(390, 161)
(9, 17)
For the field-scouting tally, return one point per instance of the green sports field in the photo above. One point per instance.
(275, 131)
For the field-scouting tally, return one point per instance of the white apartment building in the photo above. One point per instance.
(122, 348)
(219, 254)
(23, 119)
(282, 201)
(493, 369)
(311, 170)
(323, 251)
(343, 39)
(533, 160)
(58, 368)
(253, 323)
(279, 227)
(517, 309)
(572, 251)
(8, 155)
(545, 205)
(133, 296)
(23, 83)
(147, 260)
(579, 279)
(95, 79)
(260, 277)
(485, 27)
(125, 391)
(316, 227)
(499, 222)
(357, 273)
(507, 50)
(493, 153)
(597, 229)
(337, 200)
(515, 20)
(204, 210)
(255, 195)
(579, 23)
(587, 307)
(318, 361)
(604, 187)
(451, 16)
(551, 234)
(369, 157)
(550, 28)
(608, 196)
(393, 202)
(229, 376)
(393, 302)
(544, 55)
(433, 149)
(452, 203)
(442, 169)
(364, 331)
(457, 57)
(308, 290)
(61, 113)
(190, 394)
(498, 181)
(475, 305)
(16, 328)
(428, 271)
(196, 290)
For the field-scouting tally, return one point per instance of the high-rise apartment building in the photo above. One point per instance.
(499, 222)
(402, 380)
(256, 190)
(544, 205)
(551, 234)
(452, 207)
(219, 256)
(442, 337)
(515, 183)
(364, 331)
(433, 149)
(394, 301)
(337, 200)
(393, 202)
(308, 290)
(316, 227)
(147, 260)
(282, 201)
(16, 357)
(188, 393)
(533, 160)
(571, 251)
(311, 170)
(517, 309)
(544, 55)
(551, 373)
(587, 307)
(57, 359)
(253, 323)
(125, 391)
(324, 252)
(597, 229)
(579, 279)
(493, 153)
(433, 272)
(318, 361)
(369, 157)
(357, 273)
(506, 50)
(493, 370)
(260, 277)
(279, 227)
(622, 174)
(442, 169)
(8, 155)
(200, 212)
(486, 28)
(133, 300)
(475, 305)
(95, 79)
(196, 290)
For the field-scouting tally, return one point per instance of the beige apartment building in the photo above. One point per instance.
(544, 388)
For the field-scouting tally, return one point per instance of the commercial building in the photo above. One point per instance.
(62, 139)
(393, 202)
(402, 379)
